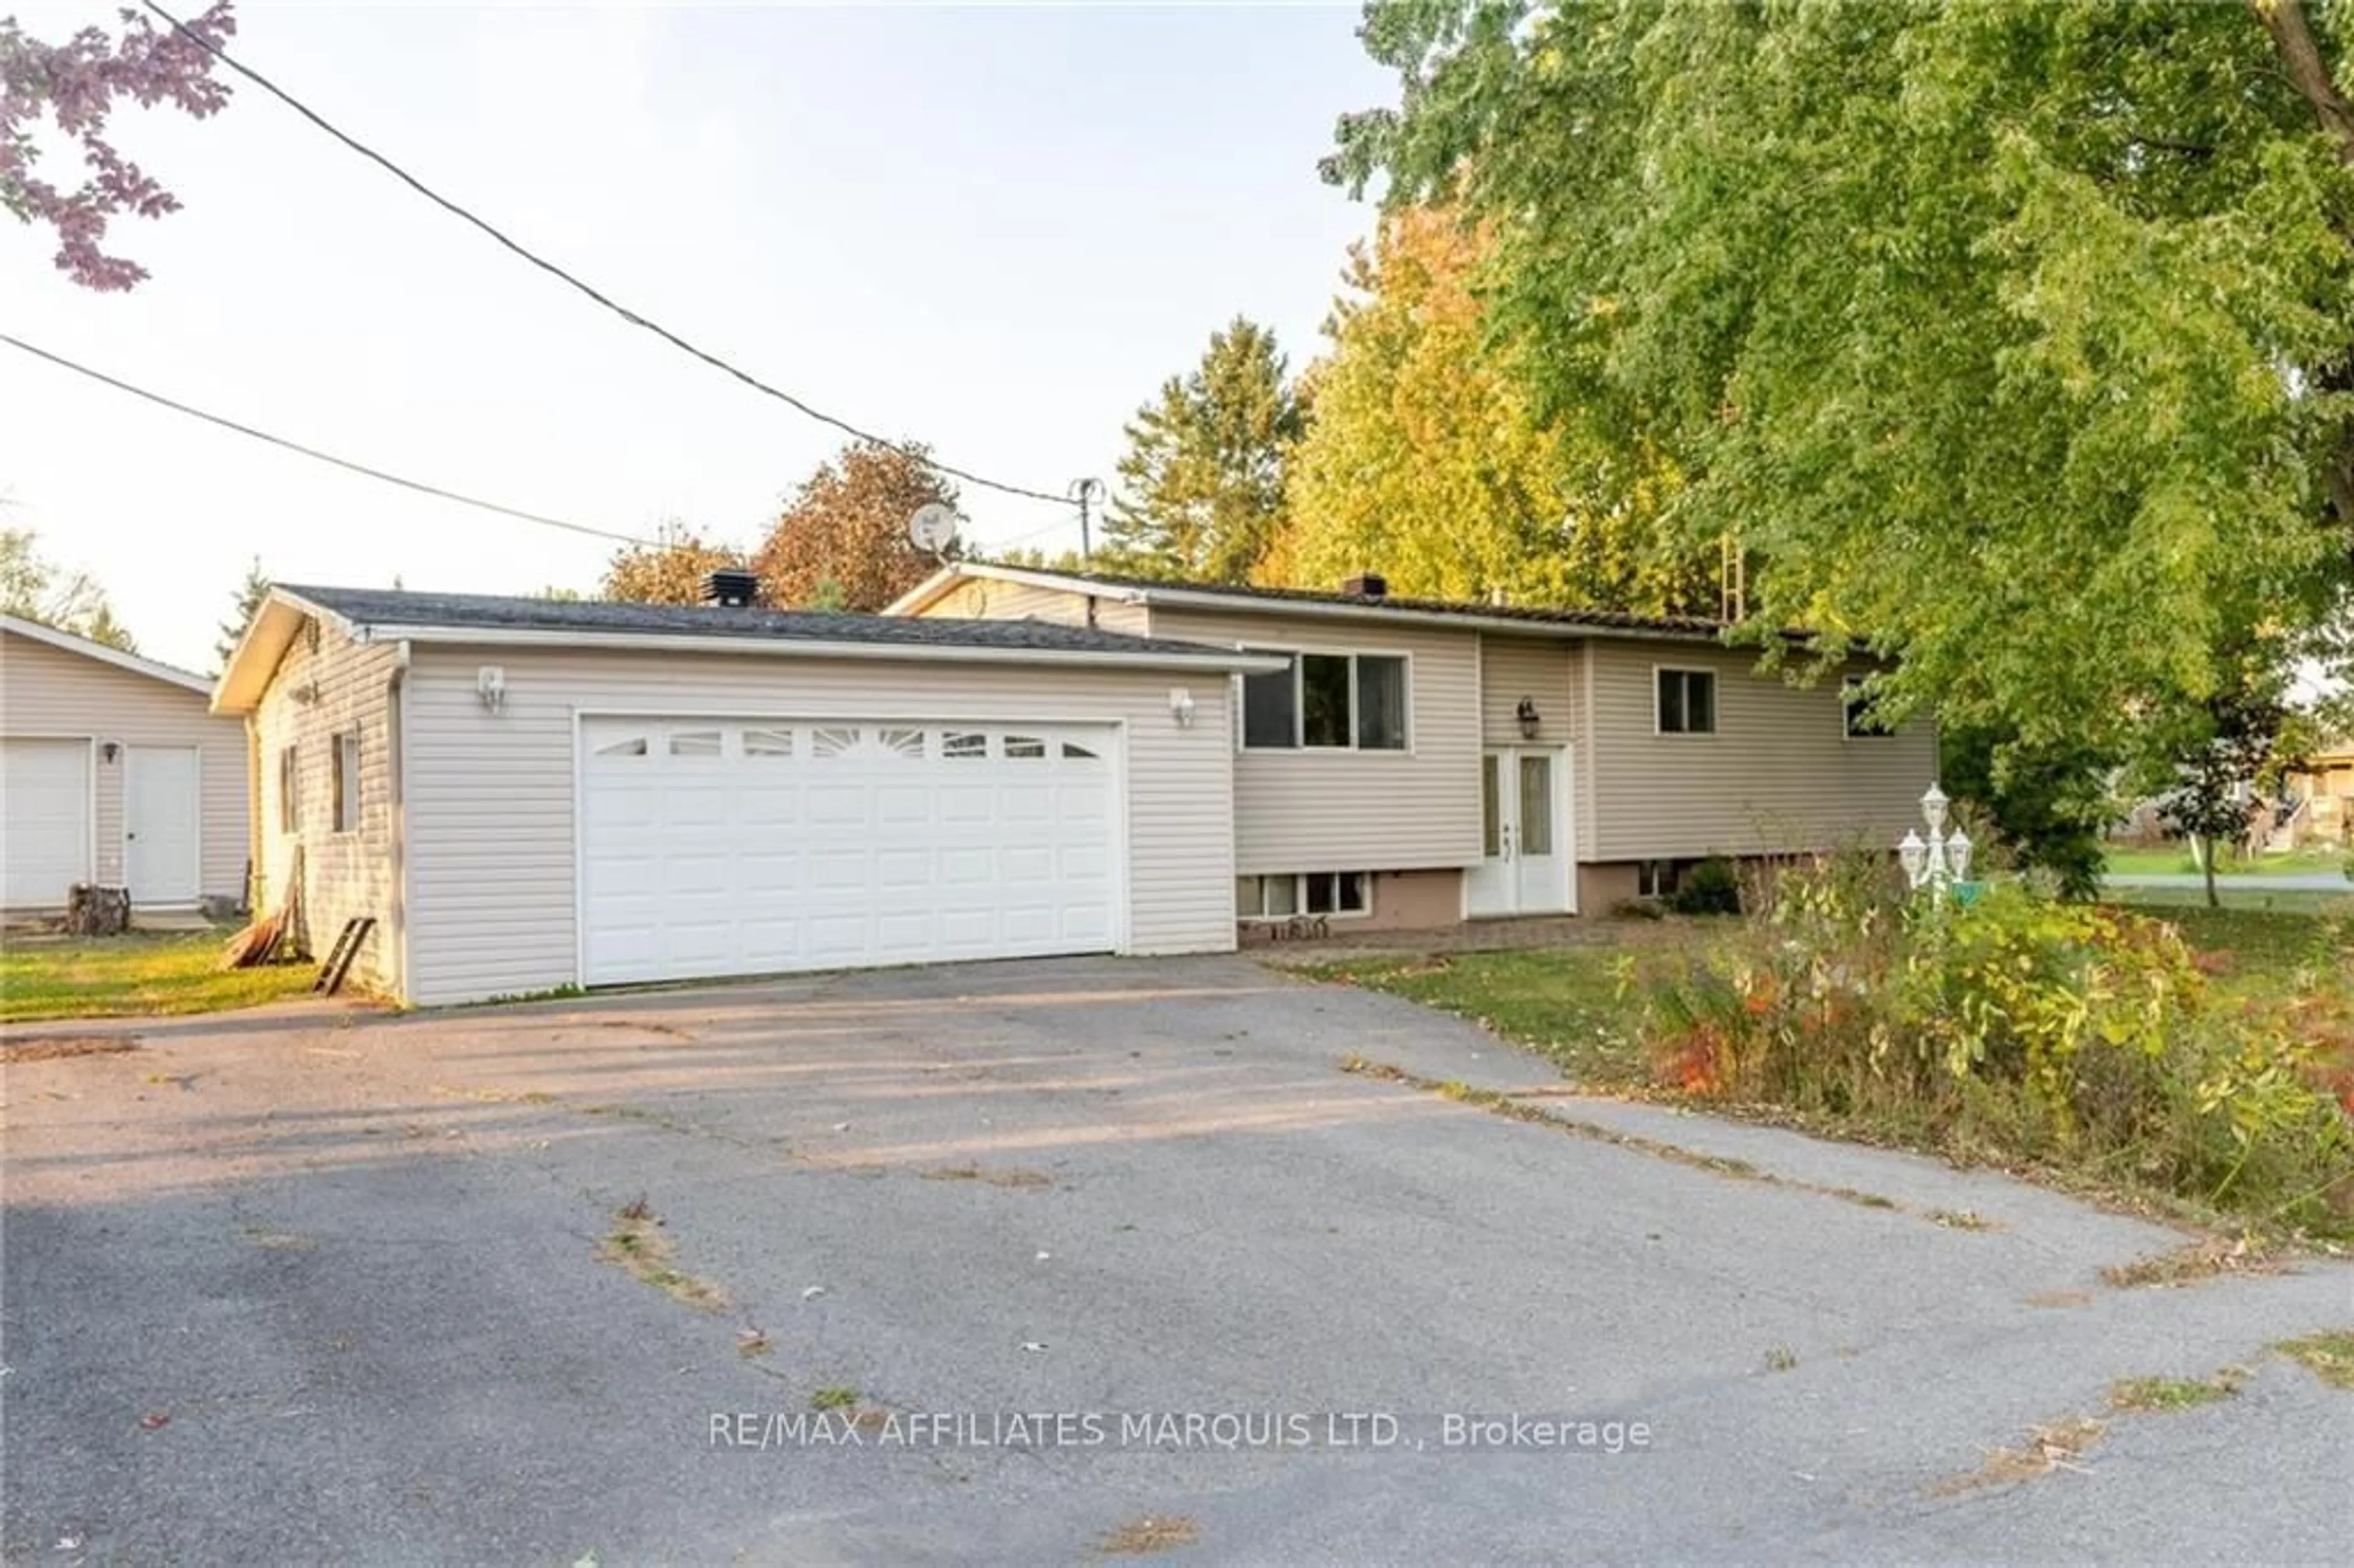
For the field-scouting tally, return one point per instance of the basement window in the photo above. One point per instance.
(1317, 893)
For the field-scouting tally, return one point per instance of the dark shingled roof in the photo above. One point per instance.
(1608, 620)
(473, 611)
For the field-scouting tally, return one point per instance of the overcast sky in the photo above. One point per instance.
(994, 228)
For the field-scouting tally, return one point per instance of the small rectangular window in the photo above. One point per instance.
(1312, 893)
(1271, 708)
(1687, 702)
(290, 782)
(1024, 746)
(347, 782)
(1855, 703)
(964, 743)
(695, 743)
(768, 742)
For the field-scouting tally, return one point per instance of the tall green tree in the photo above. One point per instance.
(1427, 462)
(2015, 337)
(1201, 493)
(250, 595)
(34, 587)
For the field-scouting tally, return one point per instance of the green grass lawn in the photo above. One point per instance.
(2180, 903)
(117, 977)
(1563, 1002)
(2174, 860)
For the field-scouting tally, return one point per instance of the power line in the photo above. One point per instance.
(418, 485)
(550, 268)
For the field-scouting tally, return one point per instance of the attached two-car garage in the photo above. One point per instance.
(733, 846)
(527, 795)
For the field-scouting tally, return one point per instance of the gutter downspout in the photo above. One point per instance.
(257, 876)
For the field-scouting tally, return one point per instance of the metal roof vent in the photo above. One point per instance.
(1366, 585)
(730, 589)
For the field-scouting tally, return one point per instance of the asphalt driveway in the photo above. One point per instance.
(566, 1282)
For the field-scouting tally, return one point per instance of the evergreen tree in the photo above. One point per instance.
(1202, 483)
(250, 595)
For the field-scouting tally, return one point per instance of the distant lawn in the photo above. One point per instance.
(2176, 903)
(118, 976)
(2174, 860)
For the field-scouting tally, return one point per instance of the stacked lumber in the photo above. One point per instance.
(276, 935)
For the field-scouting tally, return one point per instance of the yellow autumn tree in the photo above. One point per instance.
(1426, 461)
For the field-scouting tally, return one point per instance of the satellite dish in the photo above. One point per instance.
(933, 528)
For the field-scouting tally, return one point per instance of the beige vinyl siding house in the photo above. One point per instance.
(492, 852)
(114, 770)
(323, 756)
(546, 796)
(1537, 778)
(1778, 771)
(986, 599)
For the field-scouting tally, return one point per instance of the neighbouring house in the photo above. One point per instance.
(1417, 763)
(523, 795)
(114, 771)
(2320, 798)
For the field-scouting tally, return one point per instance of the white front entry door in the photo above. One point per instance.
(45, 818)
(160, 811)
(1525, 859)
(750, 847)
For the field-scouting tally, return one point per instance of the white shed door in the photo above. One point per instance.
(750, 846)
(45, 822)
(161, 809)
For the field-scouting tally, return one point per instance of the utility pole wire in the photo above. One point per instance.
(418, 485)
(550, 268)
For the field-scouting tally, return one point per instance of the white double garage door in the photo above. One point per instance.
(748, 846)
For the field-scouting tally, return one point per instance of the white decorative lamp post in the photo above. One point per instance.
(1941, 858)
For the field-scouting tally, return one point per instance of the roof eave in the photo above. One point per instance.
(70, 643)
(1215, 661)
(1178, 596)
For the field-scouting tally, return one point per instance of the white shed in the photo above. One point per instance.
(114, 770)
